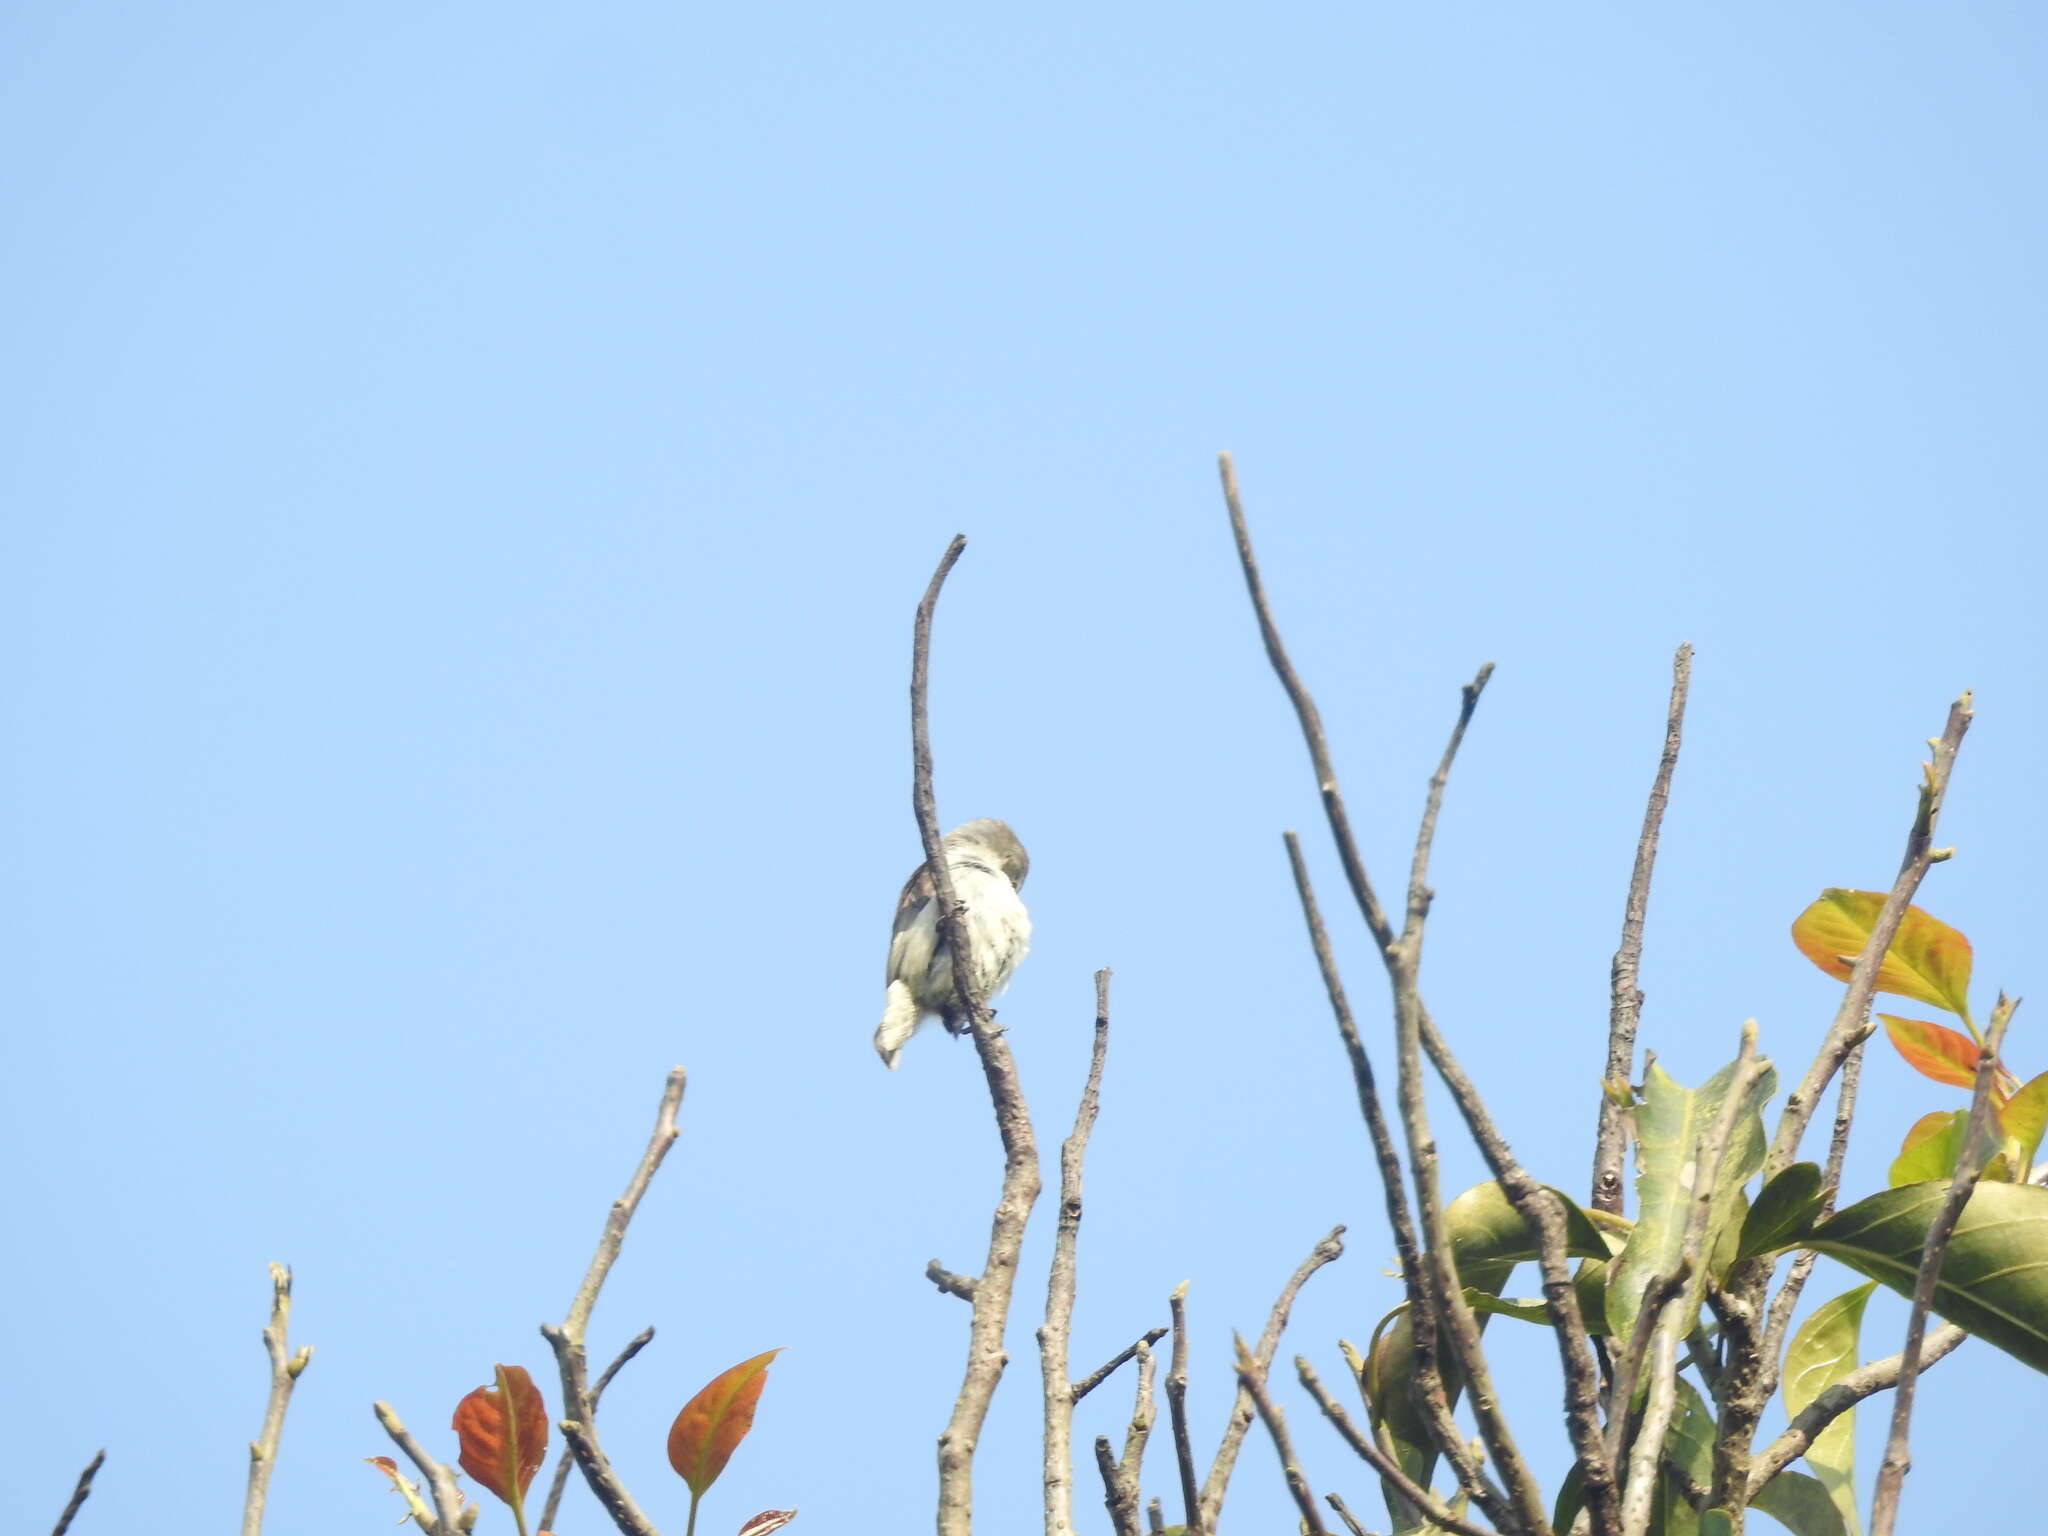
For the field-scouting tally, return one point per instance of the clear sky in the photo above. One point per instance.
(468, 471)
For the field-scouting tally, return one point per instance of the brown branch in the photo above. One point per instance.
(1054, 1336)
(1740, 1305)
(1422, 1500)
(1344, 1513)
(1177, 1410)
(80, 1492)
(440, 1480)
(579, 1402)
(985, 1356)
(1625, 1001)
(1252, 1378)
(638, 1342)
(1621, 1391)
(1891, 1472)
(284, 1372)
(1120, 1477)
(952, 1284)
(1432, 1397)
(1155, 1518)
(1110, 1367)
(1538, 1208)
(1834, 1401)
(1327, 1251)
(1122, 1518)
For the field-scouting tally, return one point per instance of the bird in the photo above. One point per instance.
(988, 865)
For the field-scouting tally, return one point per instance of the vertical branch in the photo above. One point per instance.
(440, 1479)
(1120, 1477)
(80, 1492)
(1891, 1472)
(985, 1356)
(634, 1345)
(1252, 1377)
(284, 1372)
(1054, 1336)
(1625, 1002)
(579, 1401)
(1177, 1410)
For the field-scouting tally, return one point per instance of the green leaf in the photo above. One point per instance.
(1783, 1211)
(1669, 1124)
(1717, 1522)
(1994, 1280)
(1486, 1230)
(1802, 1506)
(1822, 1352)
(1928, 960)
(2023, 1119)
(1932, 1145)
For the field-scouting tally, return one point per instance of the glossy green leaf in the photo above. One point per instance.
(1821, 1353)
(1670, 1122)
(1928, 960)
(1930, 1149)
(2023, 1118)
(1800, 1504)
(1994, 1280)
(1783, 1211)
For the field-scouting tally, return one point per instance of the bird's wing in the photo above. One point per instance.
(917, 890)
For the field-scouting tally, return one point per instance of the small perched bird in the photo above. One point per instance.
(988, 866)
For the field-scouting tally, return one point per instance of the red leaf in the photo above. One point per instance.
(501, 1449)
(1934, 1050)
(766, 1521)
(1928, 961)
(713, 1423)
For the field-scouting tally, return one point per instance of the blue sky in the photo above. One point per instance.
(467, 474)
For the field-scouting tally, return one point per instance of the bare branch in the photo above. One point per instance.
(1422, 1500)
(1177, 1410)
(1155, 1518)
(1538, 1208)
(1252, 1378)
(1625, 1001)
(80, 1493)
(1344, 1513)
(1891, 1472)
(1838, 1399)
(579, 1402)
(1740, 1305)
(1054, 1334)
(1110, 1367)
(1122, 1518)
(284, 1372)
(952, 1284)
(1432, 1397)
(1120, 1478)
(1628, 1366)
(1327, 1251)
(440, 1480)
(985, 1356)
(638, 1342)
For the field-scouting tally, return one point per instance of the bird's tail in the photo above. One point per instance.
(899, 1023)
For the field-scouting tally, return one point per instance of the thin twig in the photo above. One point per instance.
(638, 1342)
(284, 1372)
(440, 1480)
(80, 1492)
(1891, 1472)
(985, 1356)
(1834, 1401)
(1252, 1377)
(1628, 1366)
(1111, 1366)
(1122, 1518)
(1432, 1398)
(1350, 1520)
(1327, 1251)
(948, 1282)
(1155, 1518)
(1539, 1209)
(1120, 1477)
(1625, 1000)
(579, 1402)
(1054, 1336)
(1421, 1499)
(1740, 1303)
(1177, 1411)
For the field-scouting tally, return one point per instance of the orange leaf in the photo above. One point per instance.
(1928, 961)
(713, 1423)
(1934, 1050)
(503, 1449)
